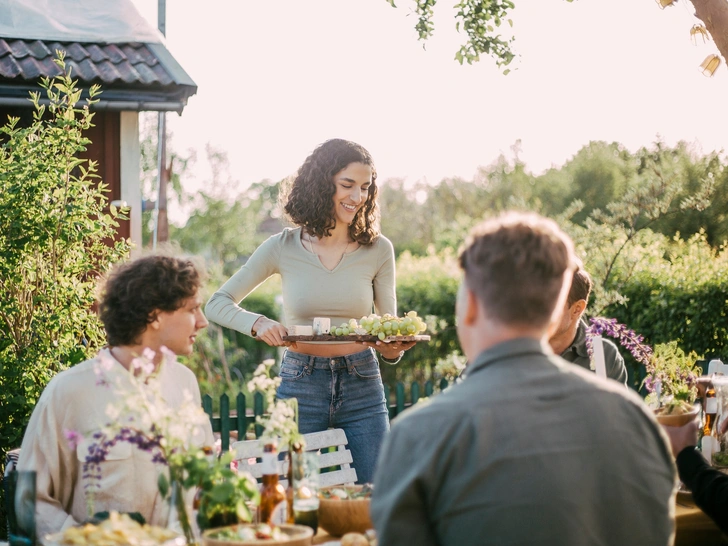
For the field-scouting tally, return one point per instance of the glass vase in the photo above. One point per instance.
(179, 519)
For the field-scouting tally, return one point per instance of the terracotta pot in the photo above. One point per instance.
(676, 419)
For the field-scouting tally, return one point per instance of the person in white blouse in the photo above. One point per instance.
(149, 303)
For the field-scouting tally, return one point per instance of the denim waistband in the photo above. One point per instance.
(330, 363)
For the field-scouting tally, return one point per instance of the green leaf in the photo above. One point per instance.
(222, 492)
(163, 484)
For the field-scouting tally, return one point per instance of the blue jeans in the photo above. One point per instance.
(343, 392)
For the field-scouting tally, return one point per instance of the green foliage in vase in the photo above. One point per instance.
(55, 234)
(224, 494)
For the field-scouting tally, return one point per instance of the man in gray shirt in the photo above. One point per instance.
(526, 449)
(569, 339)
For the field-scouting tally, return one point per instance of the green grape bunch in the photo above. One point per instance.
(382, 326)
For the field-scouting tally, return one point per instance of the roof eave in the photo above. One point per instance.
(155, 100)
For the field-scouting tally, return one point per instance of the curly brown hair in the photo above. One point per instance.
(135, 291)
(309, 198)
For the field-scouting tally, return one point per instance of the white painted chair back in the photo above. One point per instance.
(249, 453)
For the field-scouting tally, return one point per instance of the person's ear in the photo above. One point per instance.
(472, 307)
(154, 320)
(578, 308)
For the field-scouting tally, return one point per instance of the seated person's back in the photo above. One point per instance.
(527, 449)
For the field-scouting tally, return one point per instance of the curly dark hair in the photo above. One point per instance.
(136, 290)
(309, 198)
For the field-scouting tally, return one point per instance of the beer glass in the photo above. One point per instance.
(21, 519)
(305, 489)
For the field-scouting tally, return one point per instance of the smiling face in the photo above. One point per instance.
(352, 189)
(178, 329)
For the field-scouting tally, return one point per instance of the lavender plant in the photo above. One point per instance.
(671, 373)
(627, 338)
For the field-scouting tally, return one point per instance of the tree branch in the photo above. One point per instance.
(714, 14)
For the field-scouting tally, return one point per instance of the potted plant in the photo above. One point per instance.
(671, 375)
(223, 494)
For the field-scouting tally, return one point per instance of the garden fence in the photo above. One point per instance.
(236, 422)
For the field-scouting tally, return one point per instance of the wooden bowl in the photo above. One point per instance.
(296, 535)
(338, 517)
(678, 419)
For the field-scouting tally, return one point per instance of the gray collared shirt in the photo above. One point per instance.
(526, 450)
(577, 353)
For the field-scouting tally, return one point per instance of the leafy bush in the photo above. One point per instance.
(53, 235)
(427, 284)
(224, 360)
(681, 298)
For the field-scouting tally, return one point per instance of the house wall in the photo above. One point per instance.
(115, 147)
(129, 175)
(105, 145)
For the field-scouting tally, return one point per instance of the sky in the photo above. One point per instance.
(277, 77)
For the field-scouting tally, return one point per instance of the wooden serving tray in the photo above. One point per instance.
(356, 337)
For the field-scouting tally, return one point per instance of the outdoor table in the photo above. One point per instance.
(322, 537)
(693, 527)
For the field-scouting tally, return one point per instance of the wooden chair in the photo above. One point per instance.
(248, 455)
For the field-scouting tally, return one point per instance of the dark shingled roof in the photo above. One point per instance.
(132, 76)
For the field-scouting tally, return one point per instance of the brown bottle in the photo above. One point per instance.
(711, 410)
(296, 447)
(210, 456)
(272, 495)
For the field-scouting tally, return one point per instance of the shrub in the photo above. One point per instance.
(53, 235)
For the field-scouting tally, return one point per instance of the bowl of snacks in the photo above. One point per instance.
(676, 413)
(117, 530)
(258, 533)
(345, 509)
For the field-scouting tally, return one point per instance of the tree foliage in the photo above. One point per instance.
(482, 20)
(54, 230)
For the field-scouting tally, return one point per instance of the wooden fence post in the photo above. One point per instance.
(400, 397)
(415, 392)
(241, 417)
(225, 422)
(258, 410)
(429, 388)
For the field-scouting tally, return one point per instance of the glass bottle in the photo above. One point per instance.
(295, 449)
(272, 495)
(711, 410)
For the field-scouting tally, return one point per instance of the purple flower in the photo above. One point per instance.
(73, 438)
(629, 339)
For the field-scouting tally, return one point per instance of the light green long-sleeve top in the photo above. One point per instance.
(362, 282)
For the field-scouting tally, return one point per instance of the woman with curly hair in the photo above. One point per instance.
(334, 264)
